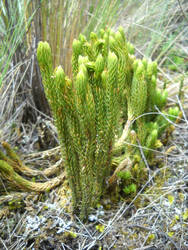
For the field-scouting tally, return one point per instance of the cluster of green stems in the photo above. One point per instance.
(97, 111)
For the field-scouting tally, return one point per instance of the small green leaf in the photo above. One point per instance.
(124, 175)
(130, 189)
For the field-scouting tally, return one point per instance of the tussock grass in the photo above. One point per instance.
(13, 27)
(159, 30)
(154, 27)
(11, 103)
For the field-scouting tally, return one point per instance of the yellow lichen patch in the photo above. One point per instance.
(170, 199)
(151, 237)
(134, 236)
(169, 150)
(73, 234)
(174, 221)
(177, 217)
(181, 197)
(170, 234)
(69, 235)
(158, 144)
(185, 215)
(100, 228)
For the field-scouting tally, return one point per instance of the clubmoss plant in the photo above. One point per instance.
(106, 120)
(110, 87)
